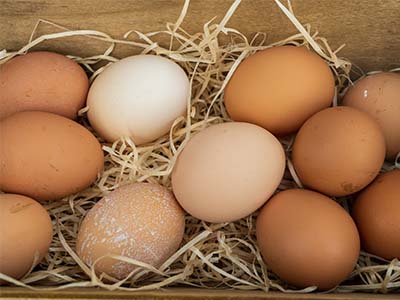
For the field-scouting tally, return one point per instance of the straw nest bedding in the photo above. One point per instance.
(211, 255)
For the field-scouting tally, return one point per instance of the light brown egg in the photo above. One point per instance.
(377, 215)
(307, 239)
(46, 156)
(42, 81)
(227, 171)
(279, 88)
(25, 234)
(142, 221)
(338, 151)
(379, 96)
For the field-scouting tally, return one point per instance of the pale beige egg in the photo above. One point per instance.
(227, 171)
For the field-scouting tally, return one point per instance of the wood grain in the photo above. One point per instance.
(180, 294)
(370, 29)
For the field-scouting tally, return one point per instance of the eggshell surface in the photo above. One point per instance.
(46, 156)
(338, 151)
(279, 89)
(25, 234)
(141, 221)
(377, 215)
(379, 96)
(42, 81)
(227, 171)
(138, 97)
(307, 239)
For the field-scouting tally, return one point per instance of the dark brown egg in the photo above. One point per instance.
(377, 215)
(307, 239)
(279, 88)
(338, 151)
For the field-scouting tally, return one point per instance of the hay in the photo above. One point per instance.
(211, 256)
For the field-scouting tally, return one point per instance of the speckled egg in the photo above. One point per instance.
(141, 221)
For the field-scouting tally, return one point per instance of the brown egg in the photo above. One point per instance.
(338, 151)
(46, 156)
(307, 239)
(42, 81)
(279, 89)
(377, 215)
(379, 96)
(227, 171)
(142, 221)
(25, 234)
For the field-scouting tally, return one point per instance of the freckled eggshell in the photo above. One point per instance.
(279, 88)
(138, 97)
(42, 81)
(338, 151)
(25, 231)
(379, 96)
(142, 221)
(227, 171)
(46, 156)
(307, 239)
(377, 215)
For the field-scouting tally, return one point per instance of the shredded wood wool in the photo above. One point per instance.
(211, 255)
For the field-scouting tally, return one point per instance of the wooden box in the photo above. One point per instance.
(370, 30)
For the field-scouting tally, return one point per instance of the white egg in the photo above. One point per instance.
(138, 97)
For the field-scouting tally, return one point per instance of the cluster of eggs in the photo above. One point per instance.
(224, 173)
(46, 155)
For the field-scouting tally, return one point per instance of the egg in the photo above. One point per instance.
(25, 234)
(307, 239)
(379, 96)
(377, 215)
(138, 97)
(46, 156)
(227, 171)
(42, 81)
(141, 221)
(279, 88)
(338, 151)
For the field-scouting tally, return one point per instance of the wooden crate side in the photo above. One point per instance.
(370, 29)
(179, 294)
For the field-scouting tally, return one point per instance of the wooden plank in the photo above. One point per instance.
(180, 294)
(371, 29)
